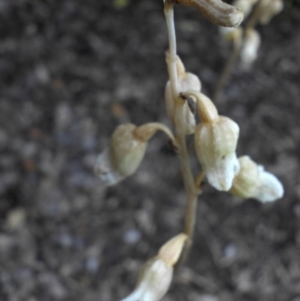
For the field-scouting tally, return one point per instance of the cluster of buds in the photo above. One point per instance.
(215, 144)
(249, 38)
(156, 274)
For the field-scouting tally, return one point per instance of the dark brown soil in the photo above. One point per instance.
(70, 72)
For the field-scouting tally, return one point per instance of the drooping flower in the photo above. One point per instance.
(215, 146)
(215, 143)
(123, 156)
(126, 150)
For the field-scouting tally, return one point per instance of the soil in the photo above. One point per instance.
(70, 72)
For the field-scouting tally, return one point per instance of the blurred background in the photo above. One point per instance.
(70, 72)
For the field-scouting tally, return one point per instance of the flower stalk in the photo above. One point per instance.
(185, 167)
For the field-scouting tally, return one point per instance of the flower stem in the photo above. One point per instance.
(188, 179)
(172, 68)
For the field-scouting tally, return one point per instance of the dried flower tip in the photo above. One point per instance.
(154, 281)
(216, 11)
(269, 9)
(171, 250)
(123, 157)
(245, 5)
(186, 81)
(253, 181)
(250, 47)
(215, 145)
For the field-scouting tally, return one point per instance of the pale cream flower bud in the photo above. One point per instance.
(126, 151)
(156, 275)
(269, 9)
(253, 181)
(250, 47)
(186, 81)
(123, 156)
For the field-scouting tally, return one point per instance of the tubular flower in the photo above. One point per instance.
(156, 275)
(253, 181)
(186, 81)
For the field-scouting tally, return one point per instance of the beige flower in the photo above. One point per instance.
(123, 156)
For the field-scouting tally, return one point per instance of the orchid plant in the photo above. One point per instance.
(215, 137)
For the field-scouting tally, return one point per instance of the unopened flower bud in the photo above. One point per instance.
(186, 81)
(123, 156)
(269, 9)
(250, 47)
(156, 275)
(245, 5)
(253, 181)
(127, 149)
